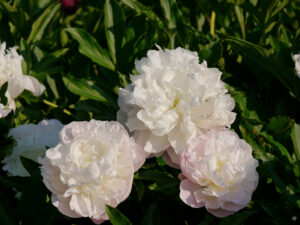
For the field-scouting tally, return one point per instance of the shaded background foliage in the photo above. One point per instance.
(84, 58)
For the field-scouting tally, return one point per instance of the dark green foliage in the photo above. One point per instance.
(84, 58)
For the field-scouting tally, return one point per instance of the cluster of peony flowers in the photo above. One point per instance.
(175, 108)
(180, 109)
(11, 72)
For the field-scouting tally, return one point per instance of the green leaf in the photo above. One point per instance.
(240, 17)
(114, 27)
(237, 218)
(7, 215)
(52, 84)
(279, 124)
(140, 189)
(29, 165)
(265, 63)
(26, 53)
(166, 187)
(169, 14)
(47, 65)
(81, 88)
(35, 209)
(13, 181)
(139, 8)
(207, 220)
(18, 18)
(211, 53)
(149, 218)
(280, 128)
(3, 89)
(280, 147)
(246, 105)
(296, 139)
(154, 175)
(5, 124)
(273, 209)
(89, 47)
(116, 217)
(39, 26)
(279, 7)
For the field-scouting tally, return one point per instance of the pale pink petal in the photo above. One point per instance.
(230, 206)
(139, 156)
(171, 158)
(220, 212)
(177, 140)
(103, 218)
(156, 144)
(64, 207)
(187, 189)
(141, 136)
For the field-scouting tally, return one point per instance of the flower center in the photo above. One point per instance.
(84, 152)
(174, 106)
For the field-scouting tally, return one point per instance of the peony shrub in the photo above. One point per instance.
(211, 118)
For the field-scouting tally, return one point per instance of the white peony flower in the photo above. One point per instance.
(32, 141)
(93, 165)
(11, 72)
(297, 64)
(171, 98)
(4, 110)
(218, 172)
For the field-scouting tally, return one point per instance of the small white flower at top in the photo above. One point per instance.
(297, 64)
(11, 72)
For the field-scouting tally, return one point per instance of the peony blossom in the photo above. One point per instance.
(297, 64)
(32, 141)
(171, 99)
(11, 72)
(218, 172)
(93, 165)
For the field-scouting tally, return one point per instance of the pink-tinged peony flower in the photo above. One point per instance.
(69, 6)
(93, 165)
(218, 172)
(171, 98)
(32, 142)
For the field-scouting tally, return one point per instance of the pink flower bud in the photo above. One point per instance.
(69, 6)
